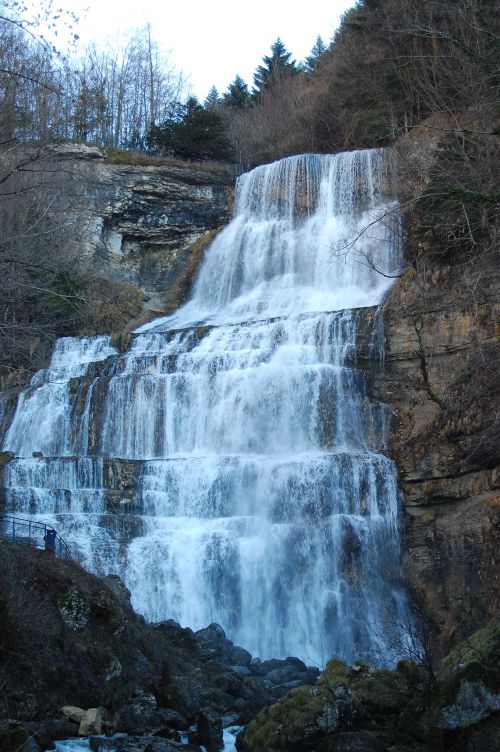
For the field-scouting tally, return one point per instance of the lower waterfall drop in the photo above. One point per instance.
(238, 433)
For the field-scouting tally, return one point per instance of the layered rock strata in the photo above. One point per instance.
(146, 225)
(440, 378)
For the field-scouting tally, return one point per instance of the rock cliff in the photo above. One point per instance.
(145, 224)
(441, 380)
(148, 226)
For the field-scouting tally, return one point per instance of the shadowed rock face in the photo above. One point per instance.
(441, 381)
(362, 709)
(70, 638)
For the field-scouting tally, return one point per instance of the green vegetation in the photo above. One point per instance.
(480, 652)
(391, 64)
(115, 155)
(289, 718)
(458, 212)
(380, 709)
(193, 131)
(275, 68)
(238, 95)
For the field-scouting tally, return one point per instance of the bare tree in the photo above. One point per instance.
(278, 124)
(39, 276)
(120, 92)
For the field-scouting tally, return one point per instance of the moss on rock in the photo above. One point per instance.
(369, 709)
(74, 609)
(300, 717)
(476, 657)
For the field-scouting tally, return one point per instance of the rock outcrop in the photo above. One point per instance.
(77, 659)
(145, 224)
(441, 380)
(362, 709)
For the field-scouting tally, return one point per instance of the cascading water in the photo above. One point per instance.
(261, 503)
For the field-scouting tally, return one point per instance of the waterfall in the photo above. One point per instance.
(238, 432)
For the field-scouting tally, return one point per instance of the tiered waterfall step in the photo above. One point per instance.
(303, 487)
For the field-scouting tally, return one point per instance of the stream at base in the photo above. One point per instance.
(104, 744)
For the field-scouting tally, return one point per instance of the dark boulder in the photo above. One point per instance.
(209, 730)
(12, 735)
(151, 744)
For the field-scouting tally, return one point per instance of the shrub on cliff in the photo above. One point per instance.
(457, 216)
(193, 132)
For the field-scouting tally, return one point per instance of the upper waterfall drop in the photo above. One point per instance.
(288, 249)
(243, 428)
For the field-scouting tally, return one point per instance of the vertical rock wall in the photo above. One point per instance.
(440, 378)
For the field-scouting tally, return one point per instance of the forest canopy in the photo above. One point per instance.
(390, 64)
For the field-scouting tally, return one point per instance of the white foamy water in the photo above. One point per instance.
(259, 501)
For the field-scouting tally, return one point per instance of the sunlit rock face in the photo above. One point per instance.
(227, 461)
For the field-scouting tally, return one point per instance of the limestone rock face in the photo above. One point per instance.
(73, 713)
(440, 378)
(145, 225)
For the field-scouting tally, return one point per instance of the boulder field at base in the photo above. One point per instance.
(71, 642)
(77, 659)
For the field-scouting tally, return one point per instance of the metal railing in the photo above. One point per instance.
(36, 534)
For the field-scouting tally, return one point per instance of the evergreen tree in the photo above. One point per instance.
(212, 100)
(311, 62)
(275, 67)
(237, 94)
(193, 132)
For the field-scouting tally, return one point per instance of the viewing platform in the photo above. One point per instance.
(32, 533)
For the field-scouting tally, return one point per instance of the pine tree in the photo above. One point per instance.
(192, 132)
(212, 100)
(274, 67)
(237, 95)
(311, 62)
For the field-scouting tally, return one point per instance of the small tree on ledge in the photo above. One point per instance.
(193, 132)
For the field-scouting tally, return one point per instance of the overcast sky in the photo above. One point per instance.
(213, 40)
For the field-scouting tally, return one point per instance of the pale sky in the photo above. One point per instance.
(213, 40)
